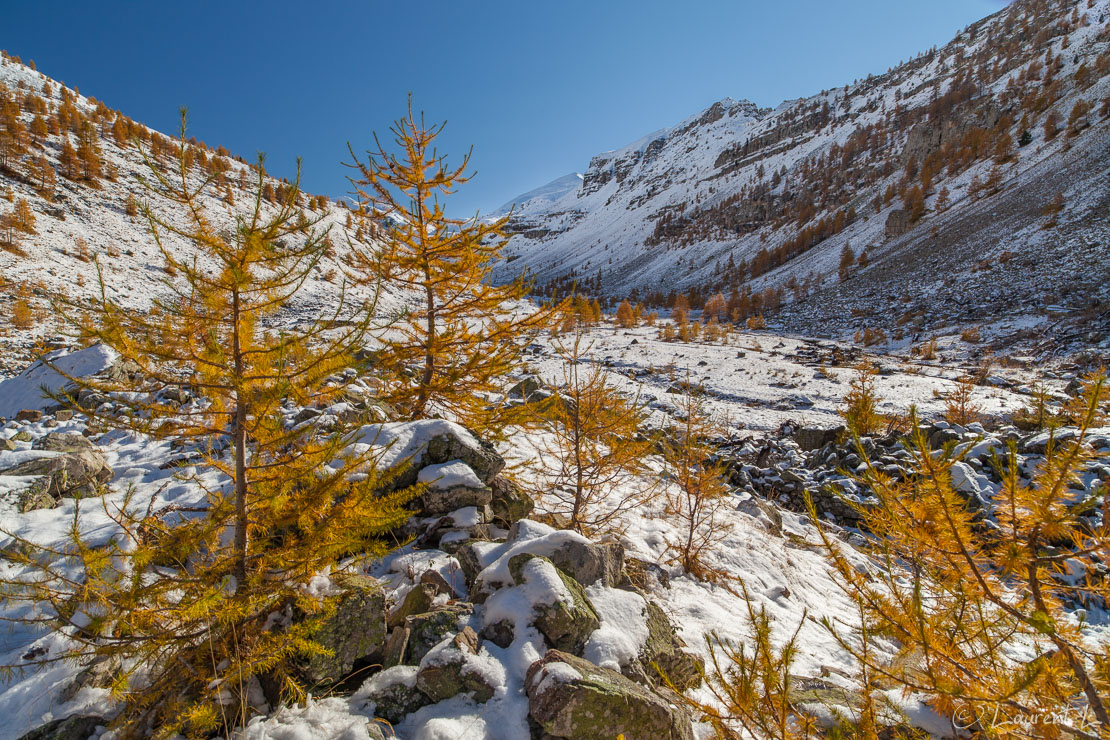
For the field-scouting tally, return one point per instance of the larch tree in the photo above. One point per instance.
(450, 354)
(698, 494)
(589, 462)
(184, 594)
(983, 617)
(626, 317)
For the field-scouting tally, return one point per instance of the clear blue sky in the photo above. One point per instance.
(536, 87)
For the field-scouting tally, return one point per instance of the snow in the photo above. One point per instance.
(555, 672)
(396, 443)
(316, 720)
(623, 632)
(449, 475)
(25, 391)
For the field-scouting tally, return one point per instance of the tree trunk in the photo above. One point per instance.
(239, 439)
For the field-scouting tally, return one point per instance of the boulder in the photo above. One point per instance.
(417, 601)
(431, 628)
(483, 459)
(354, 632)
(451, 486)
(36, 496)
(76, 727)
(440, 501)
(665, 649)
(528, 387)
(450, 670)
(590, 562)
(510, 503)
(574, 699)
(75, 474)
(7, 445)
(566, 623)
(70, 442)
(393, 694)
(31, 415)
(395, 646)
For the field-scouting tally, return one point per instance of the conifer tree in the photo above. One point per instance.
(185, 595)
(461, 341)
(861, 404)
(983, 617)
(626, 318)
(698, 495)
(587, 468)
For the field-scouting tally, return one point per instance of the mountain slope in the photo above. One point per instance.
(939, 169)
(81, 221)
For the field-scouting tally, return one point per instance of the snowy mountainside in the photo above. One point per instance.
(536, 198)
(79, 223)
(943, 170)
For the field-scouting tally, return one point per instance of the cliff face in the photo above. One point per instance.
(990, 130)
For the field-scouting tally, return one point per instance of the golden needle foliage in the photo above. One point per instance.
(451, 353)
(981, 611)
(185, 594)
(861, 404)
(590, 462)
(699, 493)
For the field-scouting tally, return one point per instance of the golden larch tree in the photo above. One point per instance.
(589, 462)
(451, 353)
(983, 617)
(184, 594)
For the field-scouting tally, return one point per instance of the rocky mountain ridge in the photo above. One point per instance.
(972, 177)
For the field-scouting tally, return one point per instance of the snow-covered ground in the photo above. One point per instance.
(757, 381)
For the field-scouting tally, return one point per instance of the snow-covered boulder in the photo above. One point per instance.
(457, 667)
(572, 698)
(561, 610)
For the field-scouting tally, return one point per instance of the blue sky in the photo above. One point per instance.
(536, 87)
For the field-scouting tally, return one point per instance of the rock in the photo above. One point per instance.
(667, 650)
(36, 496)
(64, 415)
(64, 442)
(22, 436)
(897, 223)
(483, 459)
(528, 387)
(7, 445)
(469, 562)
(500, 633)
(449, 670)
(73, 474)
(429, 629)
(417, 601)
(510, 503)
(440, 501)
(306, 414)
(32, 415)
(566, 625)
(590, 562)
(98, 674)
(437, 581)
(394, 694)
(572, 698)
(354, 632)
(395, 647)
(76, 727)
(939, 437)
(814, 438)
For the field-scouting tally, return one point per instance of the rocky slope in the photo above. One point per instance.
(973, 176)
